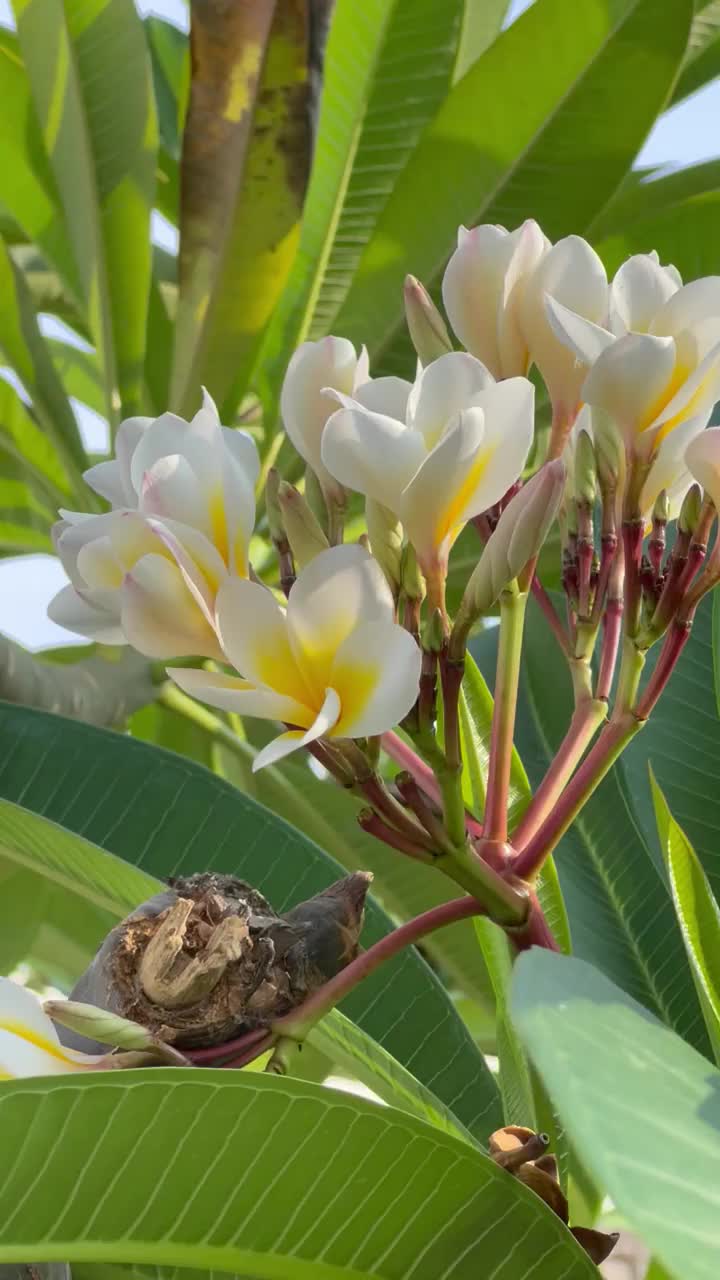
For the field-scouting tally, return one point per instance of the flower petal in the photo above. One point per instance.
(689, 307)
(244, 450)
(304, 408)
(448, 385)
(573, 274)
(293, 741)
(341, 588)
(586, 340)
(472, 289)
(695, 396)
(373, 454)
(703, 459)
(388, 396)
(473, 466)
(160, 618)
(78, 613)
(112, 480)
(630, 377)
(230, 693)
(376, 672)
(29, 1043)
(669, 471)
(638, 291)
(253, 632)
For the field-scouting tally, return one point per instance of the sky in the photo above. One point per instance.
(686, 135)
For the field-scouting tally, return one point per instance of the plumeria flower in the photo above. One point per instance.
(482, 289)
(670, 471)
(571, 273)
(304, 406)
(334, 664)
(655, 362)
(436, 452)
(29, 1043)
(148, 571)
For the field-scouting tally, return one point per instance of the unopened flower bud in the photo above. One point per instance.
(584, 475)
(304, 534)
(386, 536)
(315, 497)
(690, 510)
(412, 581)
(98, 1024)
(427, 328)
(517, 538)
(272, 505)
(661, 510)
(609, 451)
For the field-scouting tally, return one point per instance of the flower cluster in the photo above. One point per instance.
(632, 371)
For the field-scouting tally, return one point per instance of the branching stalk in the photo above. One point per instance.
(507, 677)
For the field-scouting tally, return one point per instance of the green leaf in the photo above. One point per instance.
(244, 168)
(22, 908)
(559, 159)
(620, 911)
(170, 57)
(682, 742)
(170, 817)
(33, 482)
(296, 1182)
(89, 71)
(346, 1045)
(678, 232)
(642, 1107)
(30, 194)
(647, 195)
(482, 21)
(656, 1271)
(103, 689)
(26, 351)
(702, 60)
(697, 912)
(80, 373)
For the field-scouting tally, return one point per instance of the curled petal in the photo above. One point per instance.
(695, 396)
(586, 340)
(229, 693)
(573, 274)
(112, 480)
(29, 1043)
(689, 307)
(324, 722)
(160, 618)
(376, 672)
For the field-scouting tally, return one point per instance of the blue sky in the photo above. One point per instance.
(685, 135)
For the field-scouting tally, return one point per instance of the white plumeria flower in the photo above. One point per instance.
(657, 363)
(304, 408)
(436, 452)
(147, 572)
(482, 288)
(571, 273)
(669, 471)
(29, 1043)
(334, 664)
(703, 459)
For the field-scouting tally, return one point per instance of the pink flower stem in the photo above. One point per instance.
(673, 645)
(204, 1057)
(399, 751)
(612, 627)
(599, 760)
(398, 840)
(550, 615)
(587, 718)
(300, 1022)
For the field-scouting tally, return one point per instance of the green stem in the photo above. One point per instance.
(631, 669)
(507, 676)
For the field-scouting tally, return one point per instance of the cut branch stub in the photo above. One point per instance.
(209, 959)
